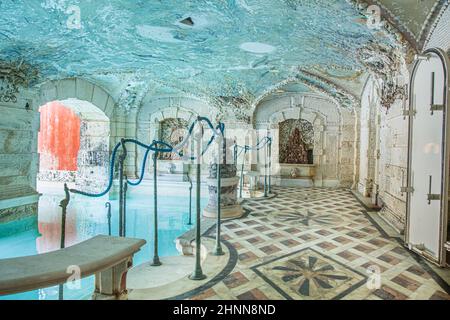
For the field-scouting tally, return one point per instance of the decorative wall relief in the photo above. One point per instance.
(296, 141)
(385, 63)
(233, 100)
(14, 75)
(173, 131)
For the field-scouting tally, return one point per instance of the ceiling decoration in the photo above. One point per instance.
(386, 64)
(228, 52)
(14, 75)
(335, 92)
(409, 20)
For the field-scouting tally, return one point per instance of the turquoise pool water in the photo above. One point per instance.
(87, 217)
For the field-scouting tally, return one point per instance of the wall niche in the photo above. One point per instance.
(173, 131)
(296, 141)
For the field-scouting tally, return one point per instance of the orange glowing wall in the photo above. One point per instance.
(59, 137)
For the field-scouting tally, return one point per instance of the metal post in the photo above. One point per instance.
(190, 198)
(109, 215)
(265, 171)
(125, 189)
(241, 183)
(270, 165)
(63, 204)
(122, 158)
(221, 145)
(198, 272)
(156, 261)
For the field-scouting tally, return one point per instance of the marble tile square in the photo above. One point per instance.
(307, 237)
(262, 228)
(388, 293)
(270, 249)
(243, 233)
(326, 245)
(418, 271)
(389, 259)
(235, 280)
(378, 242)
(364, 248)
(247, 256)
(255, 240)
(209, 293)
(356, 234)
(406, 282)
(275, 235)
(290, 243)
(342, 240)
(254, 294)
(439, 295)
(347, 255)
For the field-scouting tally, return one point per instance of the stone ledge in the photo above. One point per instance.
(186, 242)
(16, 196)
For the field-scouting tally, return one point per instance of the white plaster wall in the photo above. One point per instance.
(384, 150)
(19, 125)
(368, 152)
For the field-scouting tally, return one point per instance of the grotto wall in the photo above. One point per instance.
(383, 155)
(384, 132)
(19, 125)
(335, 138)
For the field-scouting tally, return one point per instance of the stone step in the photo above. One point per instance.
(12, 191)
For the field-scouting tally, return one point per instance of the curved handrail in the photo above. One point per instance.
(261, 144)
(154, 146)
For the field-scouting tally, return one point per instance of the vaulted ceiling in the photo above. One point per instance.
(204, 48)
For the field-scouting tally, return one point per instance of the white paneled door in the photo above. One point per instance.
(428, 156)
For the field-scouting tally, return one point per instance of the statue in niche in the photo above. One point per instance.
(173, 131)
(296, 142)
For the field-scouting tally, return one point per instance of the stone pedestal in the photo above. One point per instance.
(230, 208)
(111, 284)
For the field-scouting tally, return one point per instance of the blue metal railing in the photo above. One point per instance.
(266, 143)
(159, 147)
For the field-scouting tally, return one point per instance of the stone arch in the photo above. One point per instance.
(78, 88)
(334, 133)
(77, 91)
(154, 111)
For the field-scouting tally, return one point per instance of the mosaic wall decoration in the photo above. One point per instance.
(296, 141)
(173, 131)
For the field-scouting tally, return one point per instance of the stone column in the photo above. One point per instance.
(230, 208)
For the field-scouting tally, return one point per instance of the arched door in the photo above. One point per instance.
(428, 157)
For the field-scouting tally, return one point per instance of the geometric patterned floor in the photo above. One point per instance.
(316, 243)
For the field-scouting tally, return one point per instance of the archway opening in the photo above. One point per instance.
(73, 145)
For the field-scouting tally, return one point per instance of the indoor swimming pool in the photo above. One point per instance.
(87, 217)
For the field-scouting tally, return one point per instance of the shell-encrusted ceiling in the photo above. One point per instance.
(205, 48)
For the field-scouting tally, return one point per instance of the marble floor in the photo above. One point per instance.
(318, 244)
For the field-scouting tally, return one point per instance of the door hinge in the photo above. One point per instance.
(433, 197)
(409, 113)
(436, 107)
(406, 189)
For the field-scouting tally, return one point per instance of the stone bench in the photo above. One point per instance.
(109, 258)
